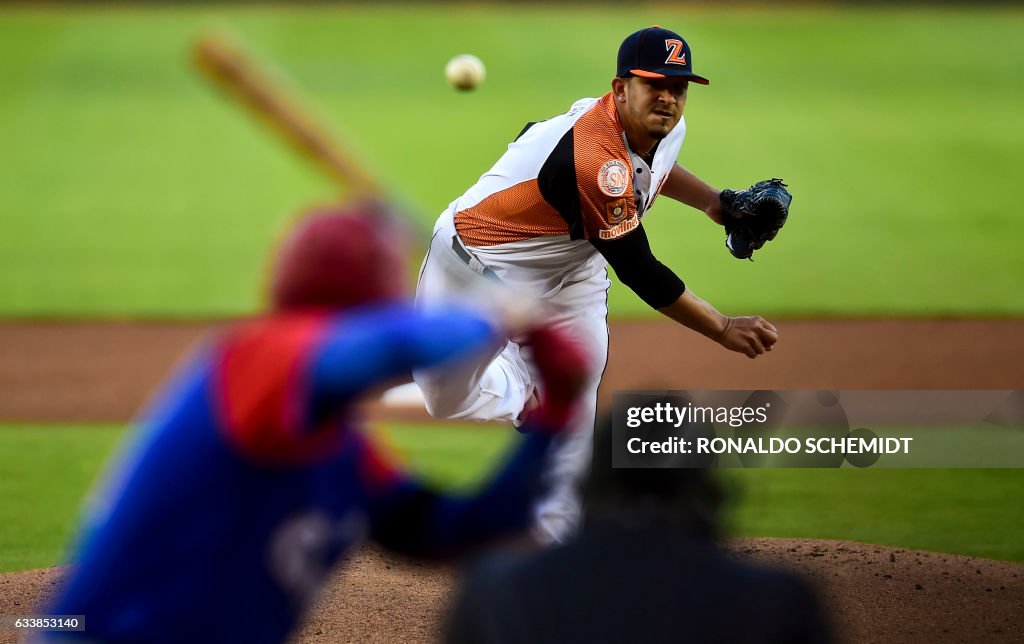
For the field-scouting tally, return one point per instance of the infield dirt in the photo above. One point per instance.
(72, 372)
(873, 593)
(104, 371)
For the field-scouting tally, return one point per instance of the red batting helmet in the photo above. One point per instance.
(339, 256)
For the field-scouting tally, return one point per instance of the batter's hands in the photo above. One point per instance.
(751, 336)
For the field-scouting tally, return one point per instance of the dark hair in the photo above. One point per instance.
(691, 497)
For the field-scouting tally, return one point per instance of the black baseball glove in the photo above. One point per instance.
(754, 216)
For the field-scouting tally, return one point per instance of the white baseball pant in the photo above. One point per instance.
(496, 385)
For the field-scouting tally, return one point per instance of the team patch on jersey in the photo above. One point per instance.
(615, 211)
(621, 229)
(613, 178)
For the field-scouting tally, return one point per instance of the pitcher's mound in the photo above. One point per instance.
(874, 594)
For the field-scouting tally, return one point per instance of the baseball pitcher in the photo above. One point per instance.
(564, 202)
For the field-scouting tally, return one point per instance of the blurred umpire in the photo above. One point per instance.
(251, 475)
(645, 567)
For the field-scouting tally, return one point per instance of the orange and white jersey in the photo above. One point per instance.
(529, 222)
(570, 178)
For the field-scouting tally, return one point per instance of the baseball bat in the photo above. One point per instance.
(243, 77)
(251, 83)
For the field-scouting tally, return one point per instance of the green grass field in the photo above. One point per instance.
(128, 188)
(46, 472)
(975, 512)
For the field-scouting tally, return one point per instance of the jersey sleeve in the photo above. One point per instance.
(587, 177)
(604, 174)
(281, 384)
(261, 385)
(365, 349)
(637, 267)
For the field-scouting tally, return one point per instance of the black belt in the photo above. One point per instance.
(471, 261)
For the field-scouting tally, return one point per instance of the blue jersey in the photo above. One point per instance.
(250, 478)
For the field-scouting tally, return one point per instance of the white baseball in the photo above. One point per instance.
(465, 72)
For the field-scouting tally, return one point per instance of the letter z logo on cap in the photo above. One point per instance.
(676, 51)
